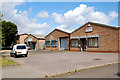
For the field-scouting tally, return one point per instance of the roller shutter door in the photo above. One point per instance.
(64, 43)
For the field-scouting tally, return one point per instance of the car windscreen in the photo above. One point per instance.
(21, 47)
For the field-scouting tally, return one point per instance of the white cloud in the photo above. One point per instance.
(98, 17)
(37, 28)
(113, 14)
(63, 26)
(78, 11)
(25, 24)
(101, 17)
(43, 14)
(59, 19)
(81, 14)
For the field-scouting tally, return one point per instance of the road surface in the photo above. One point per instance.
(102, 72)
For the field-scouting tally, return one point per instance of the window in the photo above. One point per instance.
(74, 43)
(93, 42)
(54, 43)
(21, 47)
(17, 38)
(47, 44)
(25, 42)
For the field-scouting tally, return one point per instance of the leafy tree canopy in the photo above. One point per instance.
(9, 31)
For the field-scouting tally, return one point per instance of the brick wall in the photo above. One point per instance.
(22, 37)
(119, 40)
(33, 40)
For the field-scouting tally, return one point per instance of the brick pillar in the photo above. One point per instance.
(69, 43)
(86, 44)
(119, 40)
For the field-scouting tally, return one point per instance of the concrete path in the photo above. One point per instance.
(39, 65)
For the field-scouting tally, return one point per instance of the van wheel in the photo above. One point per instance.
(11, 55)
(15, 56)
(25, 55)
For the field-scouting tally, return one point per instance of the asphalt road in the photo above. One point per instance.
(40, 63)
(102, 72)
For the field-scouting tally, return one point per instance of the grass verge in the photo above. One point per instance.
(7, 62)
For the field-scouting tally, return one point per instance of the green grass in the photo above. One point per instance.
(7, 62)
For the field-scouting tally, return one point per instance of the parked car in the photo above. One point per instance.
(28, 47)
(19, 49)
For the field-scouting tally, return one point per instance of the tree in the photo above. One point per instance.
(9, 31)
(1, 15)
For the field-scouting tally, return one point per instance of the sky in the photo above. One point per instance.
(43, 17)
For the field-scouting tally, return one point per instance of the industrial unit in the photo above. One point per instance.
(95, 37)
(91, 37)
(58, 40)
(35, 42)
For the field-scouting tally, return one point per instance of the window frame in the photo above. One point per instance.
(76, 42)
(54, 45)
(47, 45)
(92, 45)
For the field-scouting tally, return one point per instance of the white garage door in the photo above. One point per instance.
(64, 43)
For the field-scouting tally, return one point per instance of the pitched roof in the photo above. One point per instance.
(101, 24)
(38, 36)
(62, 30)
(65, 30)
(22, 34)
(107, 25)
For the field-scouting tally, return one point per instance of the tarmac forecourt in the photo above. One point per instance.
(53, 64)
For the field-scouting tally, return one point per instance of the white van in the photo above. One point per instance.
(19, 49)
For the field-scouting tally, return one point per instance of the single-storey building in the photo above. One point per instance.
(95, 37)
(58, 39)
(34, 41)
(91, 37)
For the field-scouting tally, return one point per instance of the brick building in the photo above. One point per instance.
(91, 37)
(20, 38)
(95, 37)
(33, 41)
(58, 40)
